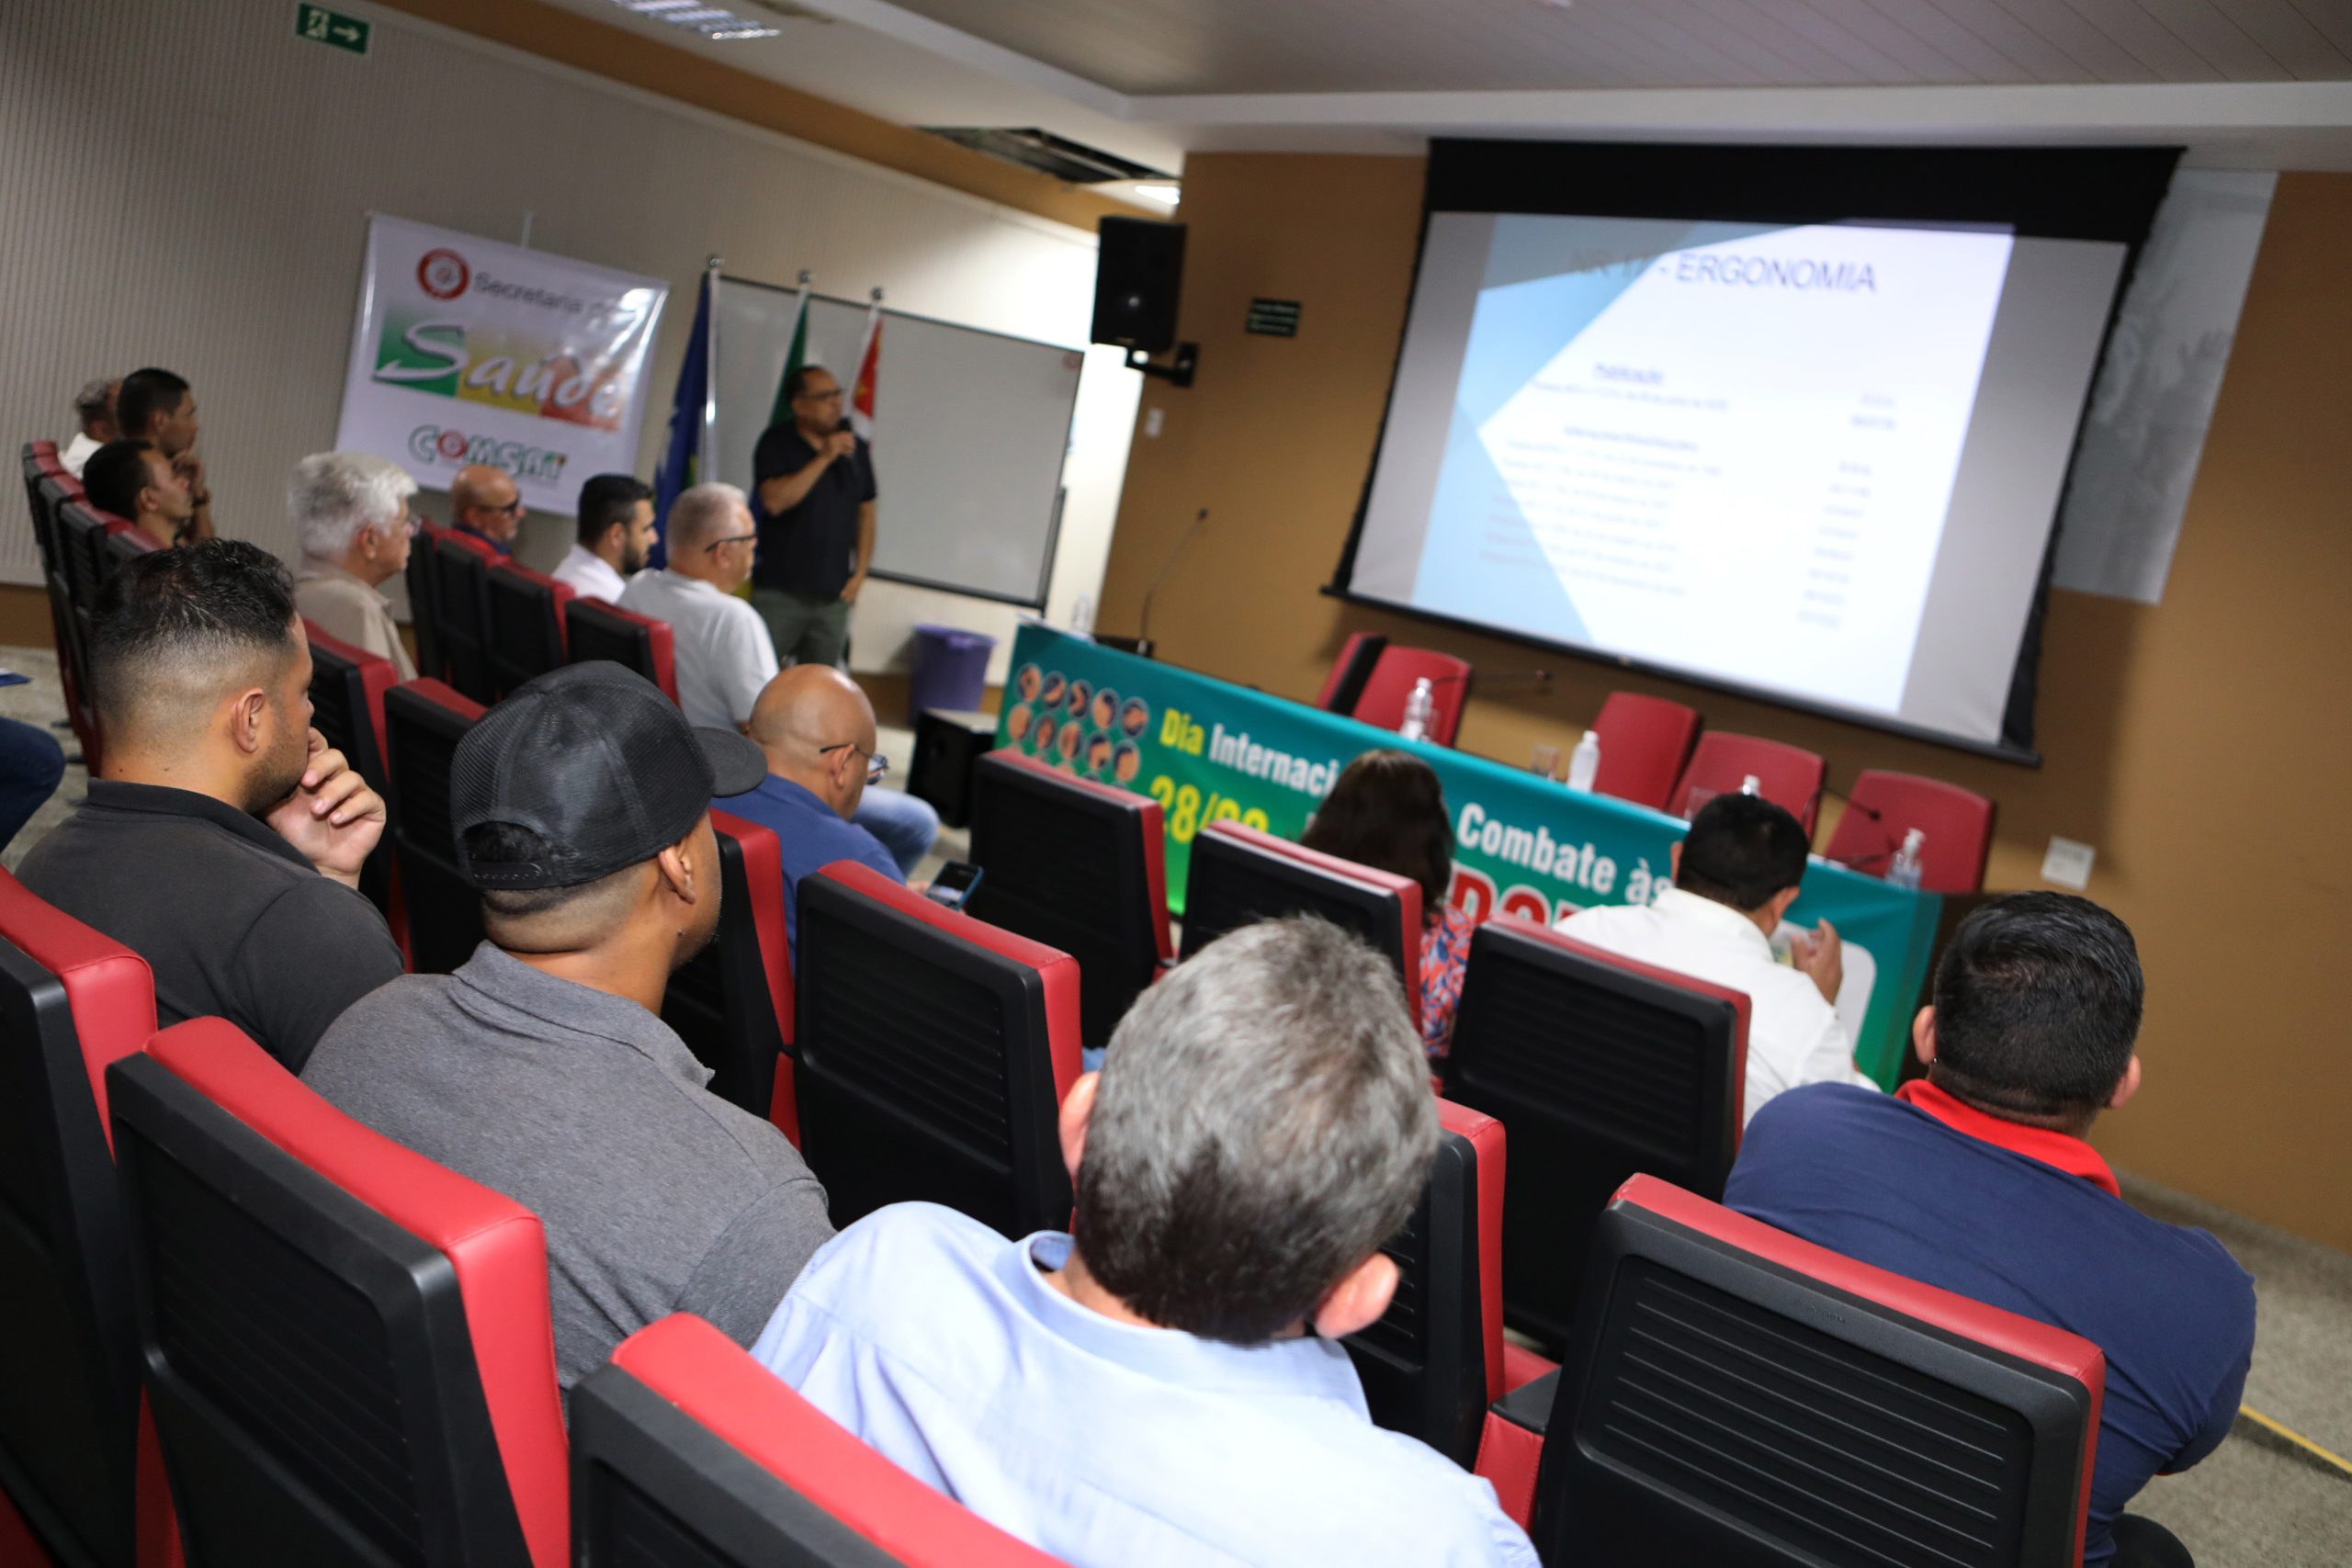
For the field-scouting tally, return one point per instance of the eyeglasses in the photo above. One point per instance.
(511, 509)
(832, 397)
(732, 540)
(876, 764)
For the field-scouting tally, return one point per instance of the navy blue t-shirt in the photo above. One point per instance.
(811, 836)
(1881, 1180)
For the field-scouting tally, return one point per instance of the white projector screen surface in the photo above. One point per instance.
(1820, 461)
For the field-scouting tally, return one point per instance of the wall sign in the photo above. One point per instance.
(1274, 318)
(331, 28)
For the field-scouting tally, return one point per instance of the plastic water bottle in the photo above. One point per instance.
(1903, 870)
(1418, 709)
(1081, 615)
(1751, 785)
(1584, 762)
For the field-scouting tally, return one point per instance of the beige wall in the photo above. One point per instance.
(2201, 744)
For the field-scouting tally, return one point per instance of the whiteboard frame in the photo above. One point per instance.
(1061, 489)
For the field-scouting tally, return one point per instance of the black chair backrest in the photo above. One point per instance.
(1235, 879)
(923, 1066)
(69, 1386)
(1601, 1068)
(1734, 1396)
(423, 724)
(309, 1360)
(526, 625)
(82, 537)
(340, 711)
(1423, 1365)
(1071, 866)
(126, 546)
(461, 600)
(424, 605)
(597, 630)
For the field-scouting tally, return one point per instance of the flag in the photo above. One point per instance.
(682, 450)
(869, 366)
(794, 358)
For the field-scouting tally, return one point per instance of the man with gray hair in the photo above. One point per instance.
(1163, 1386)
(94, 416)
(719, 645)
(350, 515)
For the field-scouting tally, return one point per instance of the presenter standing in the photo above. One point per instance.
(814, 478)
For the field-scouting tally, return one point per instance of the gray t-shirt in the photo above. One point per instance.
(657, 1195)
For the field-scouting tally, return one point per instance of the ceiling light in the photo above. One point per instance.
(1167, 196)
(714, 22)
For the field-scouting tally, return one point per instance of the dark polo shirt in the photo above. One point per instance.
(657, 1195)
(231, 918)
(811, 549)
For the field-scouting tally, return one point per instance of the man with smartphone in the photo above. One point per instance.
(814, 481)
(817, 729)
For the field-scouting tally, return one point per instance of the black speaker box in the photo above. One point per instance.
(1138, 266)
(949, 746)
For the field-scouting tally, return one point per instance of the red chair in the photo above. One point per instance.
(347, 1345)
(1238, 876)
(1644, 744)
(594, 629)
(77, 1461)
(686, 1453)
(933, 1055)
(526, 623)
(423, 721)
(1735, 1396)
(1788, 776)
(1344, 685)
(1601, 1068)
(733, 1005)
(1392, 683)
(1884, 807)
(1080, 867)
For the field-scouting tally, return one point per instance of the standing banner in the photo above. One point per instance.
(1208, 751)
(467, 351)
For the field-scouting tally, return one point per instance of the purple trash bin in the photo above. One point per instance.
(951, 669)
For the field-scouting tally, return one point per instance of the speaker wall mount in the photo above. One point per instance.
(1177, 372)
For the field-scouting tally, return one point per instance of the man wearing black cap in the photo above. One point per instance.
(542, 1068)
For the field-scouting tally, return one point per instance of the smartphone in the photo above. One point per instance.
(955, 882)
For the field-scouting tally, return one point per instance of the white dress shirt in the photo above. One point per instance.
(77, 452)
(1794, 1036)
(588, 574)
(719, 645)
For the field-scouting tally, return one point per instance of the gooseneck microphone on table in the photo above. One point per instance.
(1141, 644)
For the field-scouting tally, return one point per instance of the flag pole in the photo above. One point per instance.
(710, 369)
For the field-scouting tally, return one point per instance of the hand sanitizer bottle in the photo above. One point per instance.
(1419, 708)
(1903, 870)
(1751, 785)
(1584, 762)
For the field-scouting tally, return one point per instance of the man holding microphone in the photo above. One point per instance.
(814, 479)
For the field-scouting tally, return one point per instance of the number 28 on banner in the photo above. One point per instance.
(1186, 811)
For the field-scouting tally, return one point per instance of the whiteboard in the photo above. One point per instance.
(971, 430)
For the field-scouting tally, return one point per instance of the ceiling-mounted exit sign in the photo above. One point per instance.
(332, 27)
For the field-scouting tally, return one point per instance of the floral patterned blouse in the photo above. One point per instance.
(1445, 948)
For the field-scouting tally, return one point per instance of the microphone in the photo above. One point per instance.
(1505, 677)
(1885, 834)
(1143, 622)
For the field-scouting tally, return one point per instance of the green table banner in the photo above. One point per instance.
(1208, 751)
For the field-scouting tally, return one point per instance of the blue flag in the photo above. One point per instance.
(682, 450)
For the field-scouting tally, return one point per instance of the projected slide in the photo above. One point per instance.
(1725, 447)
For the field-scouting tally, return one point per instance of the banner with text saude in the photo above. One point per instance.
(467, 351)
(1208, 751)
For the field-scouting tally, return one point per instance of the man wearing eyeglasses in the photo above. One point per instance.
(817, 731)
(815, 482)
(484, 503)
(719, 647)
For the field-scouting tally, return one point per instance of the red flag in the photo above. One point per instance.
(869, 366)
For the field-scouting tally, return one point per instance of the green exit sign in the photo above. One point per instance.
(322, 26)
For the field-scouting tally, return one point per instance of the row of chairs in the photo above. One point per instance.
(485, 623)
(79, 546)
(347, 1353)
(1654, 752)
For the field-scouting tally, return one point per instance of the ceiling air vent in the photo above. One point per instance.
(1049, 155)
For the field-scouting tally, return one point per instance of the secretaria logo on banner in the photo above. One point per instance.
(530, 359)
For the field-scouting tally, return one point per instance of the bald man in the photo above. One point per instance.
(484, 503)
(817, 729)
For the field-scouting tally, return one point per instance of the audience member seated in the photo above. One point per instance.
(616, 536)
(31, 766)
(1736, 874)
(485, 505)
(817, 730)
(1149, 1391)
(720, 646)
(1976, 1179)
(350, 513)
(1387, 811)
(542, 1068)
(136, 482)
(93, 422)
(222, 842)
(157, 406)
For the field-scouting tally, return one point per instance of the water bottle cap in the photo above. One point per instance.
(1751, 785)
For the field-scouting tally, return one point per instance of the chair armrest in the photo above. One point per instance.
(1530, 1405)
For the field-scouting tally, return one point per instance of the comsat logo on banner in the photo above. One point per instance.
(448, 448)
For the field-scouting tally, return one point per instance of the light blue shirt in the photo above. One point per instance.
(942, 1345)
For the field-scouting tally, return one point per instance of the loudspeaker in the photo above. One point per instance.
(1138, 265)
(949, 746)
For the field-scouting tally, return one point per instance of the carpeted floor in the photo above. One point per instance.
(2260, 1502)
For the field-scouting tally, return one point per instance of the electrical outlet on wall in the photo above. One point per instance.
(2067, 863)
(1151, 420)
